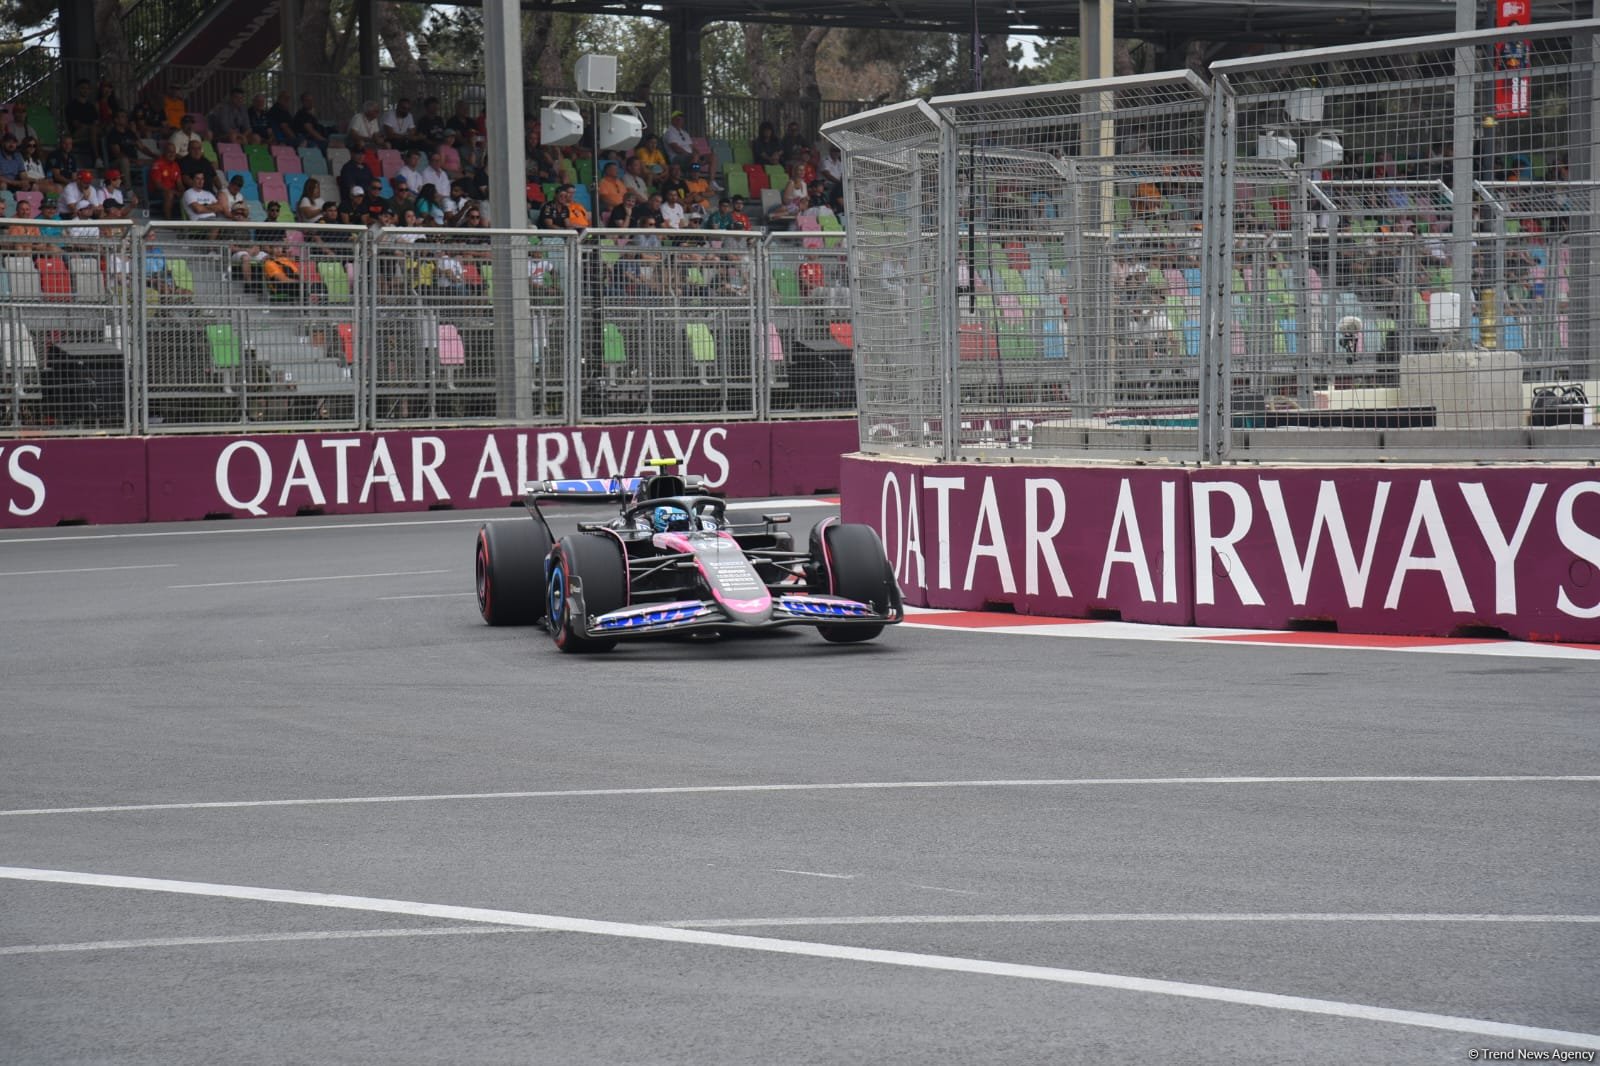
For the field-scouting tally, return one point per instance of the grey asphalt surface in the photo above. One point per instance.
(124, 686)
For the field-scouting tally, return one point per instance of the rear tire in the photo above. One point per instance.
(597, 565)
(509, 567)
(856, 568)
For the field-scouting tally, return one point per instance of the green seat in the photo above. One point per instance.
(259, 156)
(584, 169)
(209, 151)
(742, 155)
(777, 177)
(612, 350)
(182, 276)
(335, 280)
(738, 183)
(224, 345)
(43, 123)
(786, 283)
(702, 346)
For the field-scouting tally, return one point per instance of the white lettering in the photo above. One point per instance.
(995, 547)
(550, 465)
(381, 458)
(1169, 542)
(1329, 515)
(427, 453)
(648, 449)
(1209, 548)
(1443, 560)
(490, 468)
(914, 537)
(605, 462)
(1126, 521)
(522, 462)
(302, 474)
(942, 487)
(1580, 542)
(25, 479)
(1504, 551)
(263, 476)
(341, 448)
(1040, 543)
(893, 542)
(715, 457)
(681, 451)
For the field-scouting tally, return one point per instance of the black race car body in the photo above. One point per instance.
(671, 561)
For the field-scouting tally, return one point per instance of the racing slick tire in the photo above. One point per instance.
(857, 569)
(596, 563)
(509, 566)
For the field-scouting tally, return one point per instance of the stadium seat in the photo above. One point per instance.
(335, 280)
(347, 342)
(843, 334)
(312, 161)
(977, 342)
(786, 283)
(612, 348)
(274, 187)
(251, 190)
(231, 157)
(224, 345)
(702, 346)
(337, 158)
(23, 277)
(758, 178)
(777, 177)
(260, 158)
(723, 151)
(452, 352)
(774, 343)
(389, 162)
(55, 280)
(294, 186)
(738, 183)
(742, 155)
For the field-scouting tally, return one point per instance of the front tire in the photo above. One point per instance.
(595, 564)
(857, 569)
(509, 568)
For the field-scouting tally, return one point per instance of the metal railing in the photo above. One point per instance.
(1382, 250)
(184, 327)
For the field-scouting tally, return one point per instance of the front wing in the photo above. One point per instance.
(680, 616)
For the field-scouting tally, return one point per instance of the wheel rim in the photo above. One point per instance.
(558, 599)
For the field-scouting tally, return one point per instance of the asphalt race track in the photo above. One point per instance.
(992, 848)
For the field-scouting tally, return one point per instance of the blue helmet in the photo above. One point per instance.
(669, 519)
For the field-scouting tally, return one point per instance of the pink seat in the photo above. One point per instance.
(774, 343)
(390, 161)
(287, 160)
(32, 196)
(231, 156)
(451, 351)
(450, 158)
(273, 188)
(808, 223)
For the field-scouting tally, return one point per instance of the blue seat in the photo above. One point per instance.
(295, 186)
(1055, 341)
(250, 191)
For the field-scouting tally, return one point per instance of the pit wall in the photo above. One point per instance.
(52, 480)
(1420, 550)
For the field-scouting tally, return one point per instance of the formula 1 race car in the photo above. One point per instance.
(672, 562)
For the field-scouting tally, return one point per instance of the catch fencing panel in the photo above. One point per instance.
(251, 324)
(670, 326)
(438, 357)
(66, 302)
(1416, 256)
(810, 338)
(901, 275)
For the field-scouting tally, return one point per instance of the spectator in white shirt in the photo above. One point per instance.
(184, 134)
(832, 166)
(432, 174)
(80, 192)
(410, 170)
(400, 126)
(633, 177)
(198, 202)
(678, 143)
(366, 125)
(672, 212)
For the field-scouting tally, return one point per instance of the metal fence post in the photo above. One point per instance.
(949, 379)
(1216, 277)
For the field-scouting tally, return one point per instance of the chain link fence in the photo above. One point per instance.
(1379, 250)
(178, 327)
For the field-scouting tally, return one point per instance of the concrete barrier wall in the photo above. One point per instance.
(48, 481)
(1426, 550)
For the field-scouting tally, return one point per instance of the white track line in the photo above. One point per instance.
(847, 786)
(1068, 919)
(298, 580)
(258, 938)
(814, 873)
(914, 960)
(88, 570)
(227, 530)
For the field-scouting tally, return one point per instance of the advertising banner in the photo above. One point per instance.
(1427, 550)
(52, 480)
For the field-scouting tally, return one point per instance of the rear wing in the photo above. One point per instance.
(593, 490)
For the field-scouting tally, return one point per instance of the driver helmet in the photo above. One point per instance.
(670, 519)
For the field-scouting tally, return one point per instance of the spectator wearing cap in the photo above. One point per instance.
(199, 203)
(367, 123)
(677, 141)
(231, 120)
(166, 181)
(355, 206)
(353, 173)
(118, 201)
(697, 186)
(185, 135)
(12, 165)
(81, 192)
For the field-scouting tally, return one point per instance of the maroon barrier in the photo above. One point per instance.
(1413, 551)
(1427, 550)
(1057, 541)
(166, 479)
(51, 480)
